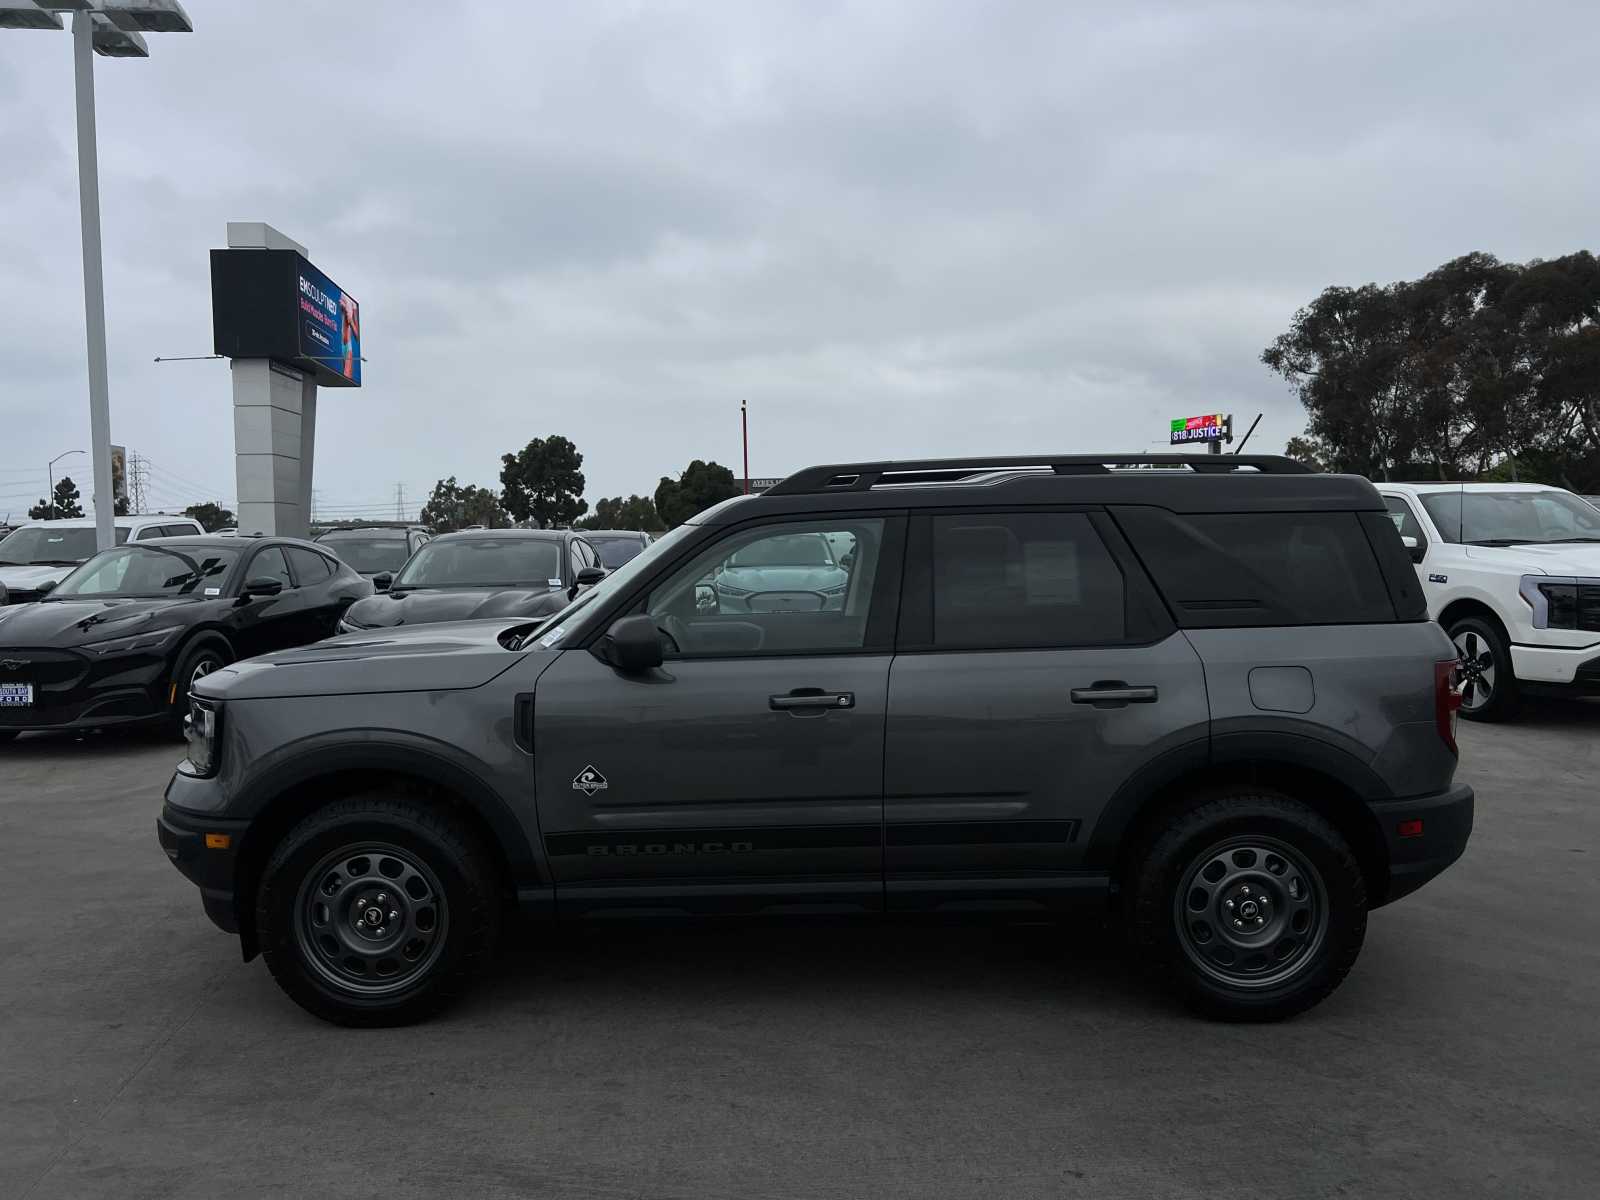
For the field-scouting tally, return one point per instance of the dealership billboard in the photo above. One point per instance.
(275, 304)
(1209, 427)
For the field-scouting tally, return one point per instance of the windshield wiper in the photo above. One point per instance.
(1505, 541)
(1556, 541)
(52, 562)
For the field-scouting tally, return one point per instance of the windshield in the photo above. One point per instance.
(368, 554)
(619, 580)
(483, 562)
(798, 550)
(614, 551)
(1512, 518)
(150, 571)
(43, 544)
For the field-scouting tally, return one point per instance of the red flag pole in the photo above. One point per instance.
(744, 427)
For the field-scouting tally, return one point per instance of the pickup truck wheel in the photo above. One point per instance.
(1250, 904)
(377, 911)
(1488, 686)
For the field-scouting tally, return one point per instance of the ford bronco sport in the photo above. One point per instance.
(1201, 691)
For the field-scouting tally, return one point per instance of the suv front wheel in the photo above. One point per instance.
(1250, 904)
(377, 911)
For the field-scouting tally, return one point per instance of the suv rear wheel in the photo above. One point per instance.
(377, 911)
(1250, 904)
(1488, 687)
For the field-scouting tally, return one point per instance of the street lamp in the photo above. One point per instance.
(50, 471)
(111, 28)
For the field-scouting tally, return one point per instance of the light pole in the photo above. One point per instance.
(50, 472)
(111, 28)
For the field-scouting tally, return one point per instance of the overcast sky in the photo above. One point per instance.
(896, 229)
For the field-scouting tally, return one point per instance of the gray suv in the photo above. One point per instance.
(1202, 692)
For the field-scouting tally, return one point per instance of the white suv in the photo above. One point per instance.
(1512, 572)
(37, 556)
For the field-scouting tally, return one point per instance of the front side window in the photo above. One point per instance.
(1404, 519)
(777, 589)
(469, 562)
(150, 571)
(1024, 580)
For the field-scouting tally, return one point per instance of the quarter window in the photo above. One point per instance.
(1011, 580)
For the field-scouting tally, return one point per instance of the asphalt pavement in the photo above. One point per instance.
(140, 1058)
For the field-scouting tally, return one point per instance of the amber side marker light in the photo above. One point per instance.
(221, 841)
(1405, 828)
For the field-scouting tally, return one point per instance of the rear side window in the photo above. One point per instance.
(309, 566)
(1011, 580)
(1226, 570)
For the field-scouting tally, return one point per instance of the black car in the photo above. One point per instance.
(617, 546)
(124, 636)
(483, 573)
(376, 551)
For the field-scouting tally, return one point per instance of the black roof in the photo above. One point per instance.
(228, 540)
(616, 533)
(1180, 482)
(552, 535)
(398, 531)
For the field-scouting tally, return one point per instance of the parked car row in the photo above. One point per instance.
(37, 556)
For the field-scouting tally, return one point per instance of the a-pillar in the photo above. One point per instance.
(274, 423)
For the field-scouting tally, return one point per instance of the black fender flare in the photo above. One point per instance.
(1225, 753)
(393, 754)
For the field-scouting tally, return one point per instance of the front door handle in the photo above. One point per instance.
(1113, 693)
(803, 700)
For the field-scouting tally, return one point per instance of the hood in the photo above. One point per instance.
(424, 659)
(783, 579)
(1563, 558)
(386, 610)
(68, 623)
(28, 578)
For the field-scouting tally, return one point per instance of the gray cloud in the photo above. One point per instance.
(892, 228)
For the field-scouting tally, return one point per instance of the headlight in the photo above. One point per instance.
(1562, 602)
(730, 589)
(151, 639)
(200, 735)
(346, 625)
(837, 590)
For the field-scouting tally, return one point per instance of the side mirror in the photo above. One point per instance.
(49, 585)
(382, 581)
(590, 576)
(633, 646)
(262, 586)
(1414, 547)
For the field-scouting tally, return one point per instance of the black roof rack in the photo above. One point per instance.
(860, 477)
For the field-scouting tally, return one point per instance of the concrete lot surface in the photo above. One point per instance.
(140, 1058)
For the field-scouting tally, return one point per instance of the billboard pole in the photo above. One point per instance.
(744, 429)
(94, 288)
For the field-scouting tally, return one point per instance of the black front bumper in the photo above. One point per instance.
(1424, 835)
(211, 868)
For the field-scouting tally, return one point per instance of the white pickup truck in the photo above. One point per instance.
(1512, 572)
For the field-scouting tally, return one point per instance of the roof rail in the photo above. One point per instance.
(860, 477)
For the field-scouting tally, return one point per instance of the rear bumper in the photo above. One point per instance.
(211, 868)
(1416, 857)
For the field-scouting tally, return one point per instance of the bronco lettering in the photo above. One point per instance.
(632, 848)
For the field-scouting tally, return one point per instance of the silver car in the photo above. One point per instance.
(801, 573)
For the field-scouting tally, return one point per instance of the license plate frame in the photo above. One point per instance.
(16, 694)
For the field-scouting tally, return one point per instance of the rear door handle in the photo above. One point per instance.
(1113, 693)
(811, 700)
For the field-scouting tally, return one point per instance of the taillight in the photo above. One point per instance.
(1446, 701)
